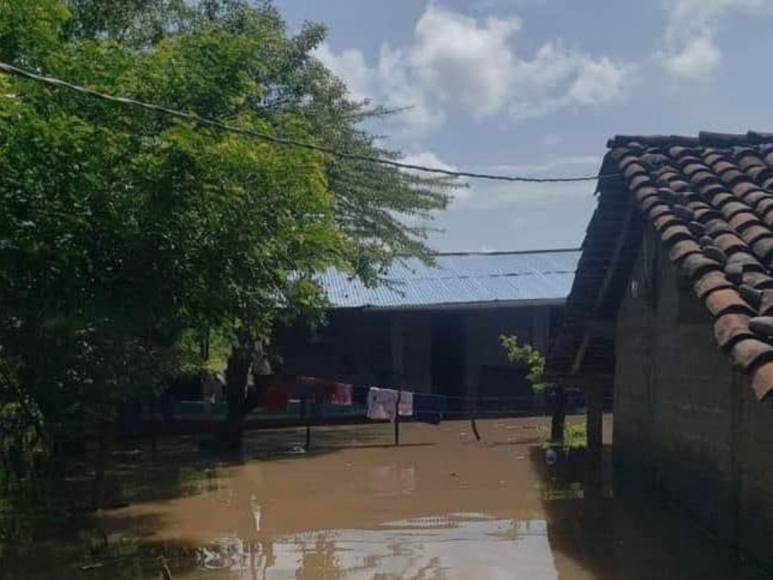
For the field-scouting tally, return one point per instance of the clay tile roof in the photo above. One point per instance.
(710, 199)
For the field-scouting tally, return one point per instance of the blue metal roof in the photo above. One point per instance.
(461, 279)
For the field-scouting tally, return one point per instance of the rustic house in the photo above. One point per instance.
(671, 305)
(436, 329)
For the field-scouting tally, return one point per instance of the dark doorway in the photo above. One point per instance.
(447, 365)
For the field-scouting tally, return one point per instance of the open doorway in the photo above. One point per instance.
(448, 354)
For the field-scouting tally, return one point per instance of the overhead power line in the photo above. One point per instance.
(129, 102)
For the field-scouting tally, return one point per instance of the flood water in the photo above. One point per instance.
(442, 505)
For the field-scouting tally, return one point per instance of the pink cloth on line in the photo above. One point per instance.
(339, 394)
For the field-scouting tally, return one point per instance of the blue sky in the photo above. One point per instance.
(536, 87)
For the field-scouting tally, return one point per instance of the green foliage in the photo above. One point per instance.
(527, 355)
(124, 235)
(120, 230)
(381, 210)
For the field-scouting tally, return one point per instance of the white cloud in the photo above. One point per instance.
(457, 61)
(457, 58)
(349, 65)
(697, 60)
(691, 50)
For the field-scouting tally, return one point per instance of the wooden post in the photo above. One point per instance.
(397, 418)
(307, 413)
(473, 413)
(559, 415)
(594, 396)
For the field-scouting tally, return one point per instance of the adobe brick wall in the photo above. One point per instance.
(686, 423)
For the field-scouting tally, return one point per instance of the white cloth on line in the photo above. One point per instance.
(405, 407)
(382, 403)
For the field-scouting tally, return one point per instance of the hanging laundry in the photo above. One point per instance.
(276, 397)
(405, 408)
(382, 403)
(339, 394)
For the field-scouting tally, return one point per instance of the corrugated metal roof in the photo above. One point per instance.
(461, 279)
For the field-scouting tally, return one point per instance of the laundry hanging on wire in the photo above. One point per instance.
(283, 141)
(381, 403)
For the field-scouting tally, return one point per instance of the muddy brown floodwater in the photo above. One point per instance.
(442, 505)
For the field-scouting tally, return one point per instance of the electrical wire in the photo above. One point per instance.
(129, 102)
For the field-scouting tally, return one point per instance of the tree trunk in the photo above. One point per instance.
(236, 376)
(240, 399)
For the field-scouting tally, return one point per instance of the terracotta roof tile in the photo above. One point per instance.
(743, 220)
(762, 381)
(748, 262)
(696, 265)
(733, 176)
(706, 215)
(730, 243)
(718, 227)
(675, 233)
(710, 282)
(650, 202)
(762, 325)
(710, 198)
(634, 169)
(683, 249)
(749, 161)
(758, 280)
(710, 188)
(660, 209)
(702, 178)
(726, 301)
(756, 197)
(730, 328)
(722, 165)
(733, 208)
(721, 198)
(679, 185)
(760, 173)
(627, 159)
(665, 220)
(763, 249)
(741, 189)
(752, 352)
(753, 233)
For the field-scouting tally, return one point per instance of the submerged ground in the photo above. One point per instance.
(442, 505)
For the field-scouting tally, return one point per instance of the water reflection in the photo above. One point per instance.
(444, 506)
(454, 546)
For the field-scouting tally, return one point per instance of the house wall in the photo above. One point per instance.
(395, 347)
(686, 423)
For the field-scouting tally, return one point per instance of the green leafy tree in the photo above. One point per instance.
(121, 231)
(382, 210)
(527, 355)
(374, 205)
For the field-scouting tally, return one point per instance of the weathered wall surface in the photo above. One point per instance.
(369, 347)
(687, 423)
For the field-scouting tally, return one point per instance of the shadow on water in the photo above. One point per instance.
(65, 539)
(440, 506)
(623, 534)
(71, 540)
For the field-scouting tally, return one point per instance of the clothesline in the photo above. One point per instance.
(421, 394)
